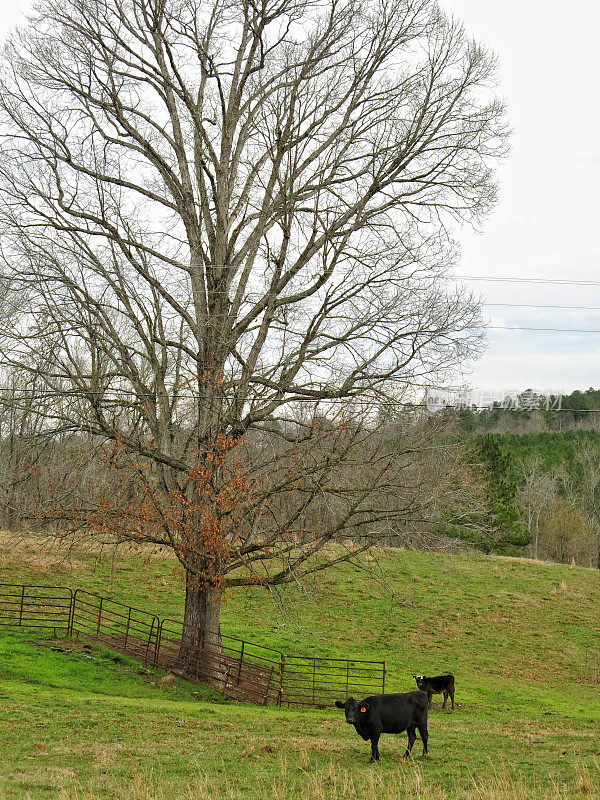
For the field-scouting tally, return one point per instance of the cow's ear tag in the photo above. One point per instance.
(363, 709)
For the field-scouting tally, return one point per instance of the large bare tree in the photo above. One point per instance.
(220, 213)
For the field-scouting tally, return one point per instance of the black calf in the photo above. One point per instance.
(437, 685)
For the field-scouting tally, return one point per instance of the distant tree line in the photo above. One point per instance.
(538, 462)
(535, 494)
(543, 493)
(530, 412)
(496, 526)
(367, 477)
(558, 480)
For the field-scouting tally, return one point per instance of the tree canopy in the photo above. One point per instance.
(215, 214)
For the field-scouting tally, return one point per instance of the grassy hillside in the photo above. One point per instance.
(522, 639)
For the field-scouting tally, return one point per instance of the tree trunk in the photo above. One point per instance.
(201, 652)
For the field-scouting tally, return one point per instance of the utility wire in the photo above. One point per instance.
(527, 328)
(496, 278)
(259, 295)
(536, 305)
(29, 394)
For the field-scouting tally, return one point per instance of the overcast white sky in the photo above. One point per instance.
(546, 224)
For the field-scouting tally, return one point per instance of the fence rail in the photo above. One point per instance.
(314, 681)
(238, 668)
(36, 606)
(115, 625)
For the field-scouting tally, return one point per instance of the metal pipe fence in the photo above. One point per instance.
(318, 682)
(36, 606)
(115, 625)
(238, 668)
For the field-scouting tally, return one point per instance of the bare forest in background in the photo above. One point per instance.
(437, 492)
(316, 470)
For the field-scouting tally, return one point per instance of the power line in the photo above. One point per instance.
(537, 305)
(498, 406)
(527, 328)
(255, 296)
(526, 280)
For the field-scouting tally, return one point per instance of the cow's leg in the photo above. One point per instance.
(412, 737)
(445, 698)
(429, 696)
(452, 698)
(374, 748)
(424, 736)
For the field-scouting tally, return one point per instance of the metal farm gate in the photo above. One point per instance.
(116, 626)
(237, 668)
(36, 606)
(319, 682)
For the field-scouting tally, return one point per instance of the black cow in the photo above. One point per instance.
(437, 685)
(388, 713)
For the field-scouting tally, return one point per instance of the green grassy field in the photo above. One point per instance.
(522, 639)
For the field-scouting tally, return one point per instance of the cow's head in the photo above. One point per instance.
(420, 679)
(355, 711)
